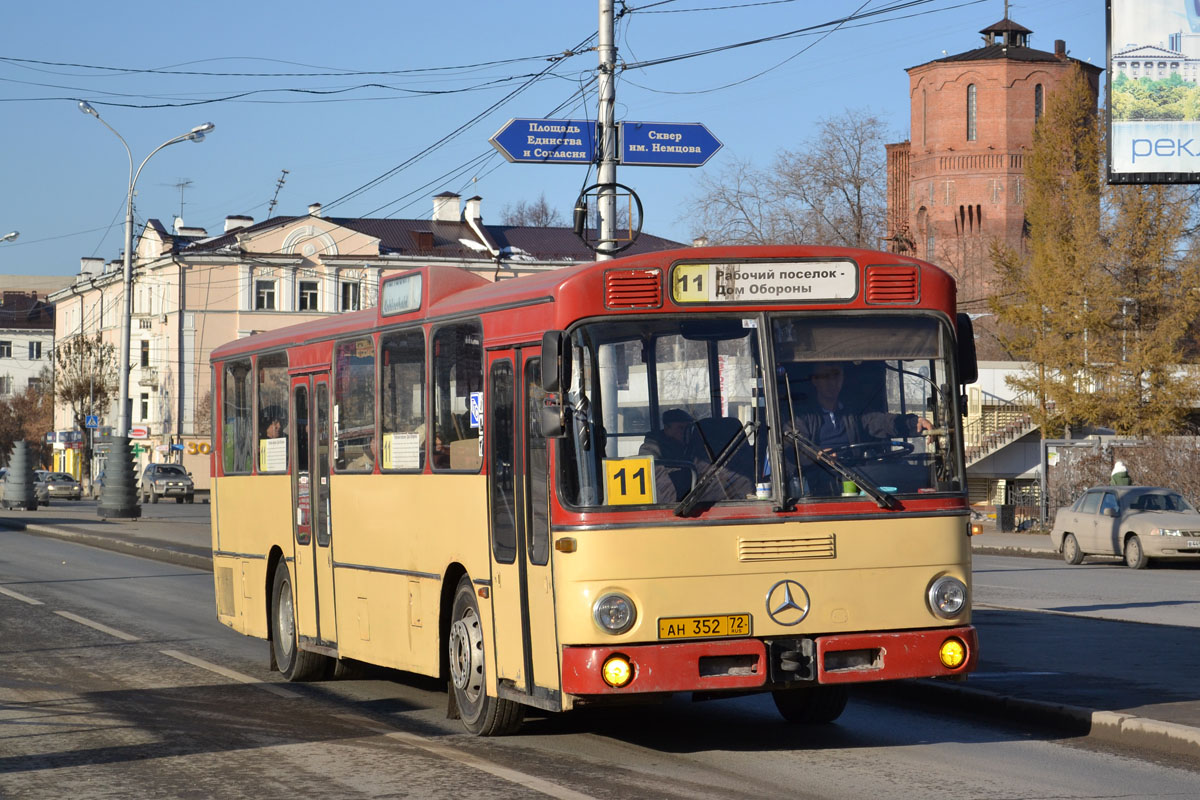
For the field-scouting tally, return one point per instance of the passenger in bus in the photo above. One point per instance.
(833, 425)
(272, 423)
(669, 446)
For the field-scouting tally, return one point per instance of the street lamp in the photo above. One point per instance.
(196, 134)
(10, 236)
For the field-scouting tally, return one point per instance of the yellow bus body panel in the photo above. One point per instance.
(877, 581)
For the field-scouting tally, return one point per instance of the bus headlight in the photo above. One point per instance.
(614, 613)
(947, 597)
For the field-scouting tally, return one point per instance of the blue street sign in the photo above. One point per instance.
(667, 144)
(92, 421)
(547, 141)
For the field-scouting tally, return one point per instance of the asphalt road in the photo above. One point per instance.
(115, 680)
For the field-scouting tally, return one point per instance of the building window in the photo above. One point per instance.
(6, 384)
(351, 296)
(145, 360)
(971, 113)
(35, 384)
(308, 296)
(5, 349)
(1038, 102)
(264, 295)
(924, 117)
(35, 351)
(145, 407)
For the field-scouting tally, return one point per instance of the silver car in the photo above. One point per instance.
(166, 480)
(1137, 522)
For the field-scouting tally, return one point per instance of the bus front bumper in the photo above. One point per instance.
(740, 664)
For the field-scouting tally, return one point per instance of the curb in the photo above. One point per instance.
(156, 552)
(1108, 726)
(1013, 550)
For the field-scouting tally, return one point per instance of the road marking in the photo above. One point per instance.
(536, 784)
(21, 597)
(128, 637)
(231, 674)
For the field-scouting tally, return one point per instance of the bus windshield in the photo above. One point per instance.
(680, 412)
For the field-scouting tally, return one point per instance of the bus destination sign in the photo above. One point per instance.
(765, 282)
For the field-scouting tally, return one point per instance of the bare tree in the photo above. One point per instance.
(832, 190)
(537, 214)
(85, 379)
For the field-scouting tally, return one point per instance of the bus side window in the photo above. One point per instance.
(457, 376)
(354, 403)
(272, 388)
(402, 400)
(237, 438)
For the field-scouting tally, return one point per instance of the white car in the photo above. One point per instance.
(1137, 522)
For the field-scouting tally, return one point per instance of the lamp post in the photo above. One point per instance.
(10, 236)
(127, 506)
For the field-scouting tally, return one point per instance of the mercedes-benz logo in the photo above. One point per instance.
(787, 603)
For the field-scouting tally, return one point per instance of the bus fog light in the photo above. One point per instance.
(617, 671)
(952, 653)
(947, 597)
(614, 613)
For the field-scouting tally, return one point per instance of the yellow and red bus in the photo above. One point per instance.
(473, 481)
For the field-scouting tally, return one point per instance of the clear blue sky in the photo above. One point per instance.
(65, 175)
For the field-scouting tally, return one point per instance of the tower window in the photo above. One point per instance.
(971, 113)
(1038, 102)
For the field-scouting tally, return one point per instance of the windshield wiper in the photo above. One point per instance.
(881, 498)
(692, 498)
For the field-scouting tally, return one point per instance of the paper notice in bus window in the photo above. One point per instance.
(765, 282)
(272, 455)
(401, 451)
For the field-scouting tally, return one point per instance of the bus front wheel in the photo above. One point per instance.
(294, 663)
(813, 705)
(480, 714)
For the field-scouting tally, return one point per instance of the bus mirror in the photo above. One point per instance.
(555, 361)
(968, 367)
(554, 425)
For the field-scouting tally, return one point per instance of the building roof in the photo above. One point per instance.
(1005, 41)
(436, 239)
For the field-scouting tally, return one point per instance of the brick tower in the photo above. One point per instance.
(957, 184)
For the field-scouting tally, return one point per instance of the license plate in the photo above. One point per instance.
(699, 627)
(1193, 543)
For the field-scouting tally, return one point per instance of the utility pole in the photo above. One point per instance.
(278, 185)
(607, 175)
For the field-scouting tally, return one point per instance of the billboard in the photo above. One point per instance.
(1153, 91)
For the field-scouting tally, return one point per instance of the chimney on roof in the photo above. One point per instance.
(236, 222)
(314, 209)
(445, 207)
(472, 210)
(1060, 49)
(91, 266)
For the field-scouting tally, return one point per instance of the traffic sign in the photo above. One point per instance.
(667, 144)
(92, 421)
(547, 141)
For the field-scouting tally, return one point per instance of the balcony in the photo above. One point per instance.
(148, 377)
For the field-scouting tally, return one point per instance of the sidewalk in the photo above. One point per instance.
(1123, 682)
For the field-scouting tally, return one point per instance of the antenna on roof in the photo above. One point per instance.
(278, 185)
(181, 184)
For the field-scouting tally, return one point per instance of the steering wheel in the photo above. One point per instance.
(872, 451)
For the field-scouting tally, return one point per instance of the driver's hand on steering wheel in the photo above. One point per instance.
(923, 425)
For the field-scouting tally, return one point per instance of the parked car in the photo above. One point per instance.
(1137, 522)
(166, 480)
(56, 484)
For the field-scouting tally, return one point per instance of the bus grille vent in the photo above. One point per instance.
(892, 284)
(787, 549)
(633, 288)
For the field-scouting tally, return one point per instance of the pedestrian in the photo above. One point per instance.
(1120, 475)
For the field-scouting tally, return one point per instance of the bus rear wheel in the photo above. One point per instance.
(480, 714)
(813, 705)
(294, 663)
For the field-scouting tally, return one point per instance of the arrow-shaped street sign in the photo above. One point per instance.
(667, 144)
(547, 141)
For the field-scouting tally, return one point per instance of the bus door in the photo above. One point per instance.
(522, 588)
(310, 493)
